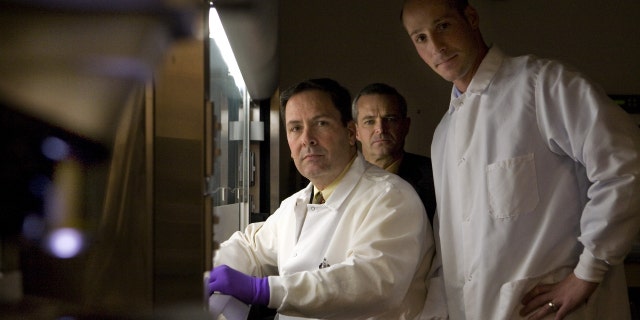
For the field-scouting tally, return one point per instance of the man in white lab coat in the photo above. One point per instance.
(361, 254)
(537, 180)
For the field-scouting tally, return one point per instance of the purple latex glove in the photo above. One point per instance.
(248, 289)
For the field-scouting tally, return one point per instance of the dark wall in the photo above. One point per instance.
(362, 41)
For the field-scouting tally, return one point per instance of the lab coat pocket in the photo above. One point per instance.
(512, 186)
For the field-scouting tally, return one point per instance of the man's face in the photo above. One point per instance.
(321, 146)
(445, 39)
(380, 127)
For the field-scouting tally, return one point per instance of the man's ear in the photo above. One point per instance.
(472, 16)
(351, 129)
(357, 133)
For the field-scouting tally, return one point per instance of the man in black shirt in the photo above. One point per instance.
(382, 124)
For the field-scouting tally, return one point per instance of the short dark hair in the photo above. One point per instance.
(383, 89)
(339, 95)
(459, 5)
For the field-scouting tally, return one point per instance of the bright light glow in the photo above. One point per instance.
(220, 37)
(65, 242)
(55, 148)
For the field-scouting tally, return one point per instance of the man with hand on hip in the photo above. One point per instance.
(537, 177)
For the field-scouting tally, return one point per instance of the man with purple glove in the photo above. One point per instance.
(248, 289)
(354, 244)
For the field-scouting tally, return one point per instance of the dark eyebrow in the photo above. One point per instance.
(435, 22)
(293, 122)
(315, 118)
(322, 116)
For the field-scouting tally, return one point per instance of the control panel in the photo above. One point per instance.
(630, 103)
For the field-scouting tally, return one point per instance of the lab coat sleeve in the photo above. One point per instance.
(251, 251)
(578, 120)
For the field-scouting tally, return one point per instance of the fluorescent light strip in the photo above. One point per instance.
(220, 37)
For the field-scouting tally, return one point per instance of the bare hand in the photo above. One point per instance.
(562, 298)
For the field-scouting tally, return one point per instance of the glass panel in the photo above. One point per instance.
(229, 185)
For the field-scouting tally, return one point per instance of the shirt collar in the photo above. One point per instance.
(456, 92)
(326, 193)
(394, 166)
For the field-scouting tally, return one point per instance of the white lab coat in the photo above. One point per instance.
(537, 175)
(372, 235)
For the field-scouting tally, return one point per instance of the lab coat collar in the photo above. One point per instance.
(484, 75)
(343, 189)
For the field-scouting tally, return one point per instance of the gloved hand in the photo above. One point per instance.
(248, 289)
